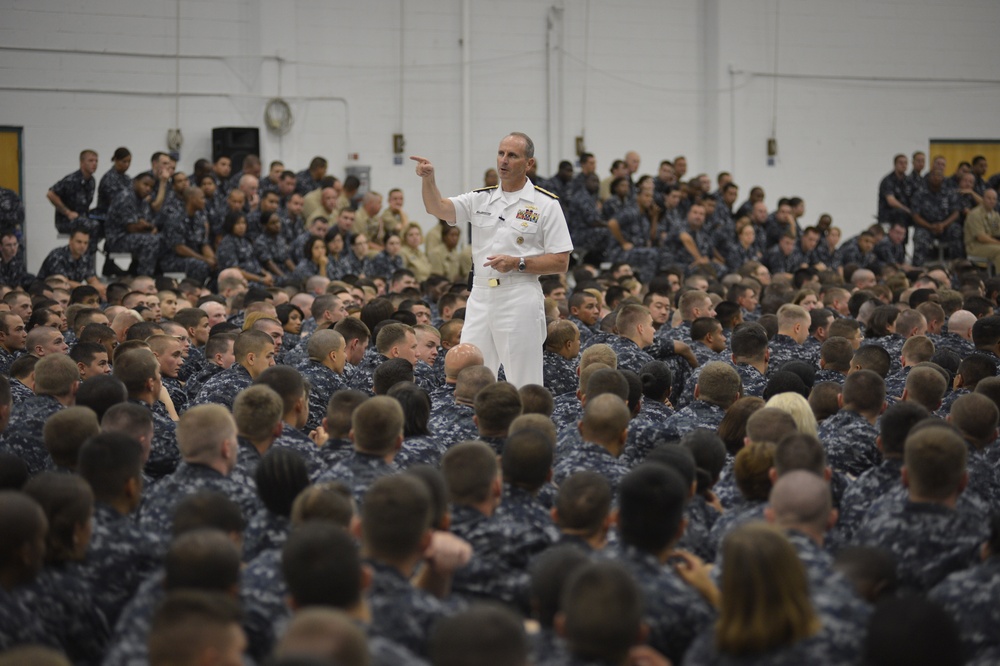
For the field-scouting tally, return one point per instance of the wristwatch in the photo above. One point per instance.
(521, 266)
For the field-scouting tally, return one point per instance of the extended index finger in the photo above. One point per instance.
(417, 158)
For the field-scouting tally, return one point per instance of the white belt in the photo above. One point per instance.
(503, 280)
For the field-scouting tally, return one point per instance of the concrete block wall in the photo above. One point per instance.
(648, 75)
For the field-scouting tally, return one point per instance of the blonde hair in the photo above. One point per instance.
(765, 593)
(798, 408)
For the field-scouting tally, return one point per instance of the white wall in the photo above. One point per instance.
(649, 75)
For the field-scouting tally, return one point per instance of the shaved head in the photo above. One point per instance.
(801, 499)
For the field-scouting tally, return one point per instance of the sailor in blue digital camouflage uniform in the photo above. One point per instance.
(559, 358)
(254, 351)
(72, 196)
(603, 430)
(928, 536)
(635, 333)
(849, 435)
(518, 233)
(129, 227)
(206, 436)
(377, 432)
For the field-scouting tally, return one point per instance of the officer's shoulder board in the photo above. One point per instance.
(545, 191)
(486, 189)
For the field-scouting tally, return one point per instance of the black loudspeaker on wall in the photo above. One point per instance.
(235, 143)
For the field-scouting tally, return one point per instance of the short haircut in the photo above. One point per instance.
(322, 342)
(201, 431)
(322, 566)
(583, 502)
(107, 461)
(749, 341)
(630, 317)
(918, 349)
(84, 352)
(395, 517)
(485, 635)
(770, 424)
(190, 317)
(799, 451)
(56, 375)
(559, 333)
(203, 559)
(926, 386)
(68, 504)
(976, 417)
(207, 509)
(471, 380)
(703, 326)
(720, 384)
(470, 469)
(340, 410)
(287, 382)
(280, 476)
(874, 358)
(935, 460)
(219, 344)
(391, 335)
(188, 622)
(602, 605)
(527, 459)
(549, 573)
(986, 332)
(65, 432)
(257, 410)
(650, 507)
(975, 368)
(596, 380)
(864, 391)
(896, 423)
(496, 406)
(377, 425)
(599, 353)
(536, 399)
(329, 501)
(135, 368)
(23, 366)
(127, 418)
(251, 342)
(837, 353)
(391, 372)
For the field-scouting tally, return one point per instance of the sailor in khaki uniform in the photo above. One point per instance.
(518, 233)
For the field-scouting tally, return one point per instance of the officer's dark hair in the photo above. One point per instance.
(749, 341)
(68, 503)
(702, 326)
(84, 352)
(281, 476)
(913, 631)
(536, 399)
(656, 381)
(21, 522)
(873, 358)
(975, 368)
(896, 423)
(389, 373)
(606, 380)
(785, 382)
(871, 570)
(799, 451)
(496, 406)
(634, 400)
(287, 382)
(322, 566)
(395, 517)
(602, 607)
(207, 510)
(469, 469)
(340, 409)
(650, 507)
(837, 353)
(202, 559)
(527, 459)
(187, 622)
(986, 332)
(107, 462)
(432, 478)
(486, 634)
(676, 458)
(549, 573)
(709, 454)
(65, 432)
(583, 502)
(14, 472)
